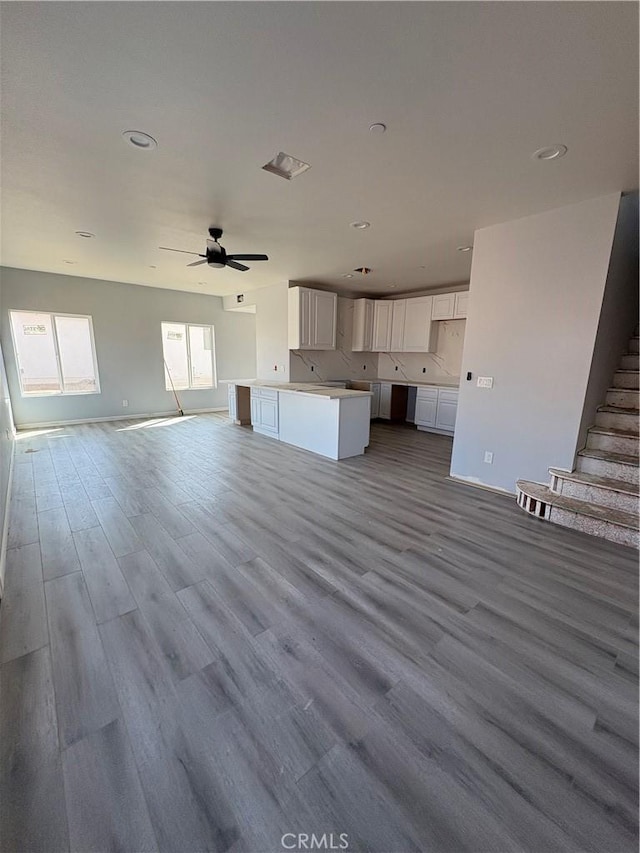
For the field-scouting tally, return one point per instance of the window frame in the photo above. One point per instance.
(53, 315)
(214, 370)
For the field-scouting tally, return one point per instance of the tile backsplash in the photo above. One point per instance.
(445, 363)
(342, 363)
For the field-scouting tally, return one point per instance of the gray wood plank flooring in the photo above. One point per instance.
(209, 639)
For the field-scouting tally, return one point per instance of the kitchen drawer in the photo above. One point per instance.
(427, 393)
(264, 393)
(448, 396)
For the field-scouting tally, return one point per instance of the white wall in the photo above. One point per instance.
(6, 452)
(536, 291)
(272, 343)
(619, 314)
(126, 324)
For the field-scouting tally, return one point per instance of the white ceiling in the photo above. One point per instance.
(468, 91)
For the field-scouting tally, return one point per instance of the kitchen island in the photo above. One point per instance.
(333, 422)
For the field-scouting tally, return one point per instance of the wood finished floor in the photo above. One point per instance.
(209, 639)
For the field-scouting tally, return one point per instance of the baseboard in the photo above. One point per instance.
(5, 526)
(495, 489)
(137, 416)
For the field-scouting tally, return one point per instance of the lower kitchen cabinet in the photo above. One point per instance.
(375, 400)
(264, 411)
(436, 409)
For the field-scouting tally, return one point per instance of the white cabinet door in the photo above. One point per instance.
(255, 409)
(375, 400)
(443, 306)
(397, 325)
(447, 409)
(323, 320)
(384, 410)
(382, 317)
(362, 325)
(269, 415)
(420, 332)
(426, 412)
(312, 319)
(460, 310)
(233, 404)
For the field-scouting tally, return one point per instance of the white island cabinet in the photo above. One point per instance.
(330, 421)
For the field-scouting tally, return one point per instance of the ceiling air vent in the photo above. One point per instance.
(286, 166)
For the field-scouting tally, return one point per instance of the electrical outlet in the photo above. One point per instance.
(125, 403)
(396, 366)
(275, 368)
(312, 368)
(488, 457)
(485, 382)
(424, 369)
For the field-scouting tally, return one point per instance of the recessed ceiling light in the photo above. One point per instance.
(286, 166)
(202, 282)
(361, 224)
(153, 267)
(69, 262)
(393, 286)
(551, 152)
(377, 127)
(465, 248)
(86, 234)
(140, 140)
(363, 270)
(348, 275)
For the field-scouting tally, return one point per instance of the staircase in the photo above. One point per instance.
(601, 496)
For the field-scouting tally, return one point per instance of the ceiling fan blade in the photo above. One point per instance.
(197, 263)
(248, 257)
(184, 251)
(236, 265)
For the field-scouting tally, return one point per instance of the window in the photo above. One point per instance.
(188, 356)
(55, 353)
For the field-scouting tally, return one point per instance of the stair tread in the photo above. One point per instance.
(616, 388)
(627, 369)
(603, 513)
(597, 480)
(619, 410)
(615, 431)
(610, 456)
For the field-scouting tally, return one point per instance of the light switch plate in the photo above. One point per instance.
(485, 382)
(488, 457)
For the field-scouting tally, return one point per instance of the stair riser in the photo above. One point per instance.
(606, 468)
(614, 443)
(630, 362)
(626, 380)
(595, 527)
(595, 494)
(625, 399)
(634, 345)
(613, 420)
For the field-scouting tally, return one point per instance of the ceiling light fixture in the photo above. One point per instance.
(464, 248)
(347, 275)
(551, 152)
(393, 286)
(361, 224)
(377, 127)
(285, 166)
(153, 267)
(69, 262)
(202, 282)
(140, 140)
(86, 234)
(363, 270)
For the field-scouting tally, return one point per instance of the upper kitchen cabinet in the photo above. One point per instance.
(450, 306)
(420, 333)
(362, 325)
(312, 319)
(398, 316)
(382, 321)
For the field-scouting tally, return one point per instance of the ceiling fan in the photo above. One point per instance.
(216, 256)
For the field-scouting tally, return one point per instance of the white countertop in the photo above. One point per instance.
(303, 388)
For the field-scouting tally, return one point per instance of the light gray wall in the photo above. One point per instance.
(619, 314)
(126, 324)
(536, 291)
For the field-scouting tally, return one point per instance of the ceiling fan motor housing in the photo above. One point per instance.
(216, 256)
